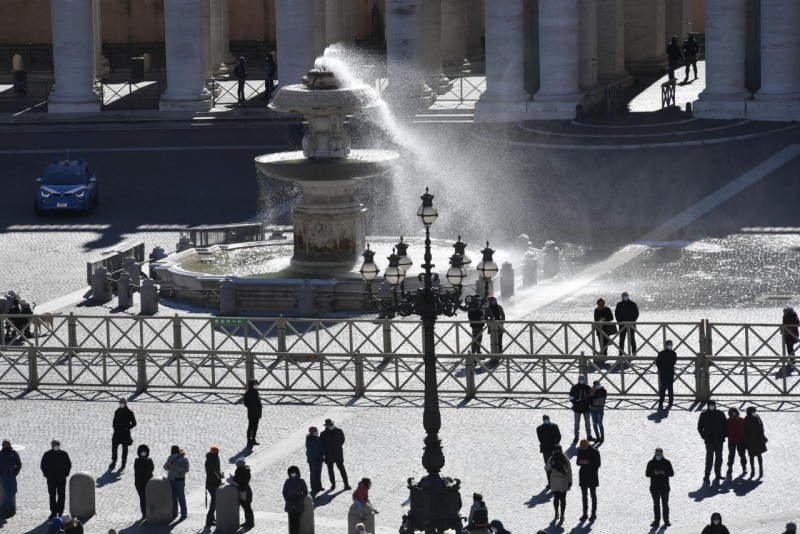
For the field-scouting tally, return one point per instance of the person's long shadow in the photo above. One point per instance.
(742, 486)
(658, 416)
(326, 498)
(244, 453)
(543, 497)
(705, 491)
(109, 477)
(581, 528)
(554, 527)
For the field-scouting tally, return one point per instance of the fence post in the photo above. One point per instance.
(471, 390)
(359, 364)
(141, 371)
(33, 371)
(494, 340)
(72, 330)
(387, 340)
(281, 328)
(249, 367)
(709, 347)
(583, 366)
(701, 378)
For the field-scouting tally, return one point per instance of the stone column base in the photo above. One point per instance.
(201, 104)
(552, 109)
(489, 110)
(720, 107)
(773, 110)
(594, 94)
(56, 104)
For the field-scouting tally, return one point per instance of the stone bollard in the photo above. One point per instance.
(530, 269)
(148, 297)
(16, 63)
(81, 495)
(507, 280)
(147, 60)
(184, 243)
(227, 298)
(307, 517)
(158, 497)
(227, 509)
(158, 254)
(353, 519)
(101, 286)
(134, 269)
(124, 291)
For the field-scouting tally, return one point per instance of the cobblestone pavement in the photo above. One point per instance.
(490, 446)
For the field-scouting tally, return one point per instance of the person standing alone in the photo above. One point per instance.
(10, 466)
(673, 55)
(252, 401)
(549, 438)
(56, 466)
(240, 71)
(588, 460)
(790, 330)
(659, 470)
(124, 421)
(143, 468)
(626, 312)
(713, 429)
(665, 363)
(334, 452)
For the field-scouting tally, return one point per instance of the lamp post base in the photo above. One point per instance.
(435, 505)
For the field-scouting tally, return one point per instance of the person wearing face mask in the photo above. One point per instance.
(604, 328)
(315, 456)
(214, 479)
(333, 438)
(579, 396)
(735, 440)
(713, 428)
(143, 468)
(496, 527)
(549, 437)
(659, 470)
(123, 422)
(176, 466)
(294, 495)
(55, 466)
(241, 478)
(10, 466)
(588, 460)
(626, 312)
(560, 473)
(665, 363)
(597, 406)
(252, 401)
(754, 440)
(716, 526)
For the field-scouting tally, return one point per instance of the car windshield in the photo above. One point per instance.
(64, 176)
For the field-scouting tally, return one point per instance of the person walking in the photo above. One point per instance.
(665, 363)
(716, 526)
(713, 428)
(560, 474)
(597, 406)
(252, 401)
(495, 311)
(735, 440)
(240, 71)
(604, 328)
(10, 466)
(177, 466)
(294, 495)
(55, 466)
(754, 440)
(143, 468)
(124, 421)
(269, 77)
(361, 497)
(659, 470)
(333, 438)
(214, 478)
(790, 330)
(690, 50)
(549, 438)
(673, 56)
(315, 456)
(475, 316)
(579, 396)
(241, 479)
(588, 460)
(626, 312)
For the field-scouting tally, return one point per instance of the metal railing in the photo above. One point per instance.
(34, 97)
(668, 94)
(386, 356)
(464, 89)
(208, 235)
(131, 95)
(225, 90)
(614, 95)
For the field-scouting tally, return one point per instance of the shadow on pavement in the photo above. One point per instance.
(706, 491)
(743, 486)
(658, 416)
(244, 453)
(109, 477)
(543, 497)
(326, 498)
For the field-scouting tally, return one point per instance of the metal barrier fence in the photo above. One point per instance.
(668, 94)
(386, 355)
(131, 95)
(33, 98)
(614, 95)
(208, 235)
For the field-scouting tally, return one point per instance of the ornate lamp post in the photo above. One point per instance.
(487, 267)
(435, 500)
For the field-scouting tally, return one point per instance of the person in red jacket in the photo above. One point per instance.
(361, 497)
(735, 440)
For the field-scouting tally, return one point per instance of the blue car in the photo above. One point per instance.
(66, 185)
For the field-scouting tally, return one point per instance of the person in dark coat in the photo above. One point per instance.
(269, 77)
(716, 526)
(790, 329)
(143, 468)
(588, 460)
(56, 466)
(497, 527)
(665, 363)
(605, 328)
(690, 50)
(496, 312)
(754, 440)
(713, 428)
(315, 456)
(791, 528)
(659, 470)
(10, 466)
(214, 478)
(579, 396)
(475, 316)
(597, 409)
(252, 401)
(333, 438)
(549, 437)
(735, 440)
(240, 72)
(241, 478)
(626, 311)
(123, 422)
(673, 56)
(294, 494)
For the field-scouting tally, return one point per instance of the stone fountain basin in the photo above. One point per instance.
(300, 99)
(361, 163)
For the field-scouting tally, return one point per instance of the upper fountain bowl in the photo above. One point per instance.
(324, 92)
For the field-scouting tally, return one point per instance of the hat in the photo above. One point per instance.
(312, 430)
(214, 449)
(240, 462)
(328, 422)
(66, 518)
(55, 442)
